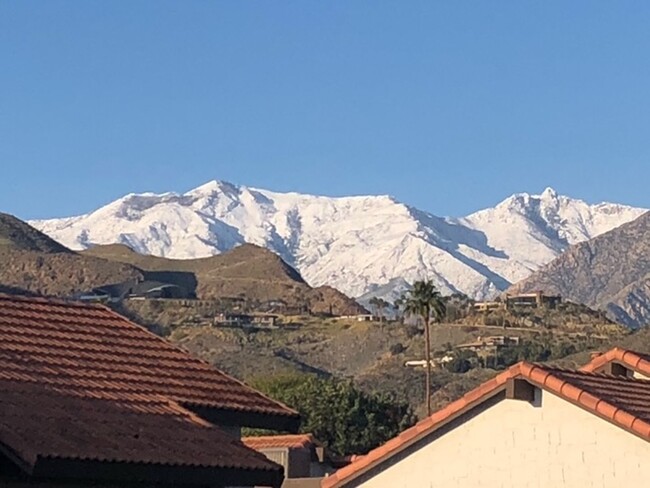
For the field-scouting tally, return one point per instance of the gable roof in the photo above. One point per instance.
(632, 360)
(88, 347)
(85, 393)
(621, 401)
(296, 441)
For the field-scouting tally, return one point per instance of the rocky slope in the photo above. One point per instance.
(16, 235)
(31, 262)
(611, 272)
(359, 245)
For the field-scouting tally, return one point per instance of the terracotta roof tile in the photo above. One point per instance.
(90, 347)
(36, 422)
(81, 384)
(296, 441)
(622, 401)
(635, 361)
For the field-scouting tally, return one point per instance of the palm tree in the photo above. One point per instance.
(425, 302)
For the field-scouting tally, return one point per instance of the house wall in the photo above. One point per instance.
(640, 376)
(514, 444)
(296, 462)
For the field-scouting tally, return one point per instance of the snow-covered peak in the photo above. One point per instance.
(214, 186)
(549, 194)
(358, 244)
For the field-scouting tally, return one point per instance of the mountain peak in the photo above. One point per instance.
(215, 186)
(549, 193)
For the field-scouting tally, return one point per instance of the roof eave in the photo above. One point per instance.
(166, 474)
(260, 419)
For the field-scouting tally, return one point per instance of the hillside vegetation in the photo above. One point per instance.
(372, 354)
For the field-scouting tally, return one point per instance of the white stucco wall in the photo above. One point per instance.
(640, 376)
(514, 444)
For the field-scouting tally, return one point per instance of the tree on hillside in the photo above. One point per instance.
(374, 305)
(379, 306)
(425, 302)
(345, 419)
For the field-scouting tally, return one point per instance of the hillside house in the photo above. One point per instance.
(233, 320)
(362, 317)
(274, 306)
(265, 319)
(489, 343)
(530, 426)
(88, 398)
(246, 320)
(304, 459)
(135, 289)
(488, 306)
(533, 300)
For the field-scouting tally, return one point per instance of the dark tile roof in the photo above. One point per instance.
(626, 394)
(84, 393)
(90, 348)
(38, 422)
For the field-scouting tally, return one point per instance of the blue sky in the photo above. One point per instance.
(450, 106)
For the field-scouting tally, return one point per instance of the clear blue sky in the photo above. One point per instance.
(450, 106)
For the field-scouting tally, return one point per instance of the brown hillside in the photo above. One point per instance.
(611, 272)
(59, 274)
(31, 262)
(17, 235)
(247, 270)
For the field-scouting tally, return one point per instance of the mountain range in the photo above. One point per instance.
(361, 245)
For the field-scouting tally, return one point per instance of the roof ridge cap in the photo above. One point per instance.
(592, 402)
(635, 360)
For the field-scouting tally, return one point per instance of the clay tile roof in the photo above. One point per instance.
(635, 361)
(83, 347)
(297, 441)
(40, 423)
(82, 389)
(622, 401)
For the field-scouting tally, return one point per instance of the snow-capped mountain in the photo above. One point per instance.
(360, 245)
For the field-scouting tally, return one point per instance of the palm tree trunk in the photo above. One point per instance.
(427, 356)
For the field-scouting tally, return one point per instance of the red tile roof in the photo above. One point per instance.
(621, 401)
(296, 441)
(75, 346)
(83, 389)
(39, 422)
(635, 361)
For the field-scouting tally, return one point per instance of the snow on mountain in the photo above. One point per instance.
(360, 245)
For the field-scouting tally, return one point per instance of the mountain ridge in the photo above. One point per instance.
(610, 272)
(355, 244)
